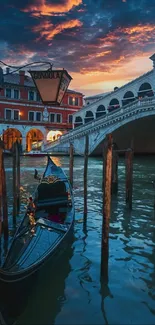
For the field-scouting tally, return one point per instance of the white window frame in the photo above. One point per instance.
(12, 113)
(11, 92)
(9, 109)
(14, 93)
(13, 110)
(35, 115)
(28, 116)
(35, 95)
(54, 118)
(77, 100)
(72, 118)
(68, 100)
(60, 118)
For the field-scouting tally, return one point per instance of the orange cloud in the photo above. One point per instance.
(44, 9)
(48, 30)
(95, 55)
(137, 34)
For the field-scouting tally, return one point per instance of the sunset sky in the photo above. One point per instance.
(102, 43)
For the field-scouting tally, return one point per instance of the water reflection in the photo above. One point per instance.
(83, 297)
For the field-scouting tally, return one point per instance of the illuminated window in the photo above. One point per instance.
(70, 100)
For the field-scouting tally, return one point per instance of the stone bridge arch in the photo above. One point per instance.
(10, 136)
(145, 90)
(98, 136)
(34, 139)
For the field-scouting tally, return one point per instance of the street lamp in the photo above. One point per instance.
(51, 85)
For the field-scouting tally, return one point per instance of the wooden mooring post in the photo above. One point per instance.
(129, 176)
(3, 195)
(16, 181)
(107, 165)
(71, 163)
(1, 157)
(114, 185)
(85, 176)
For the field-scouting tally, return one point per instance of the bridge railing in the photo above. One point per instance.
(107, 117)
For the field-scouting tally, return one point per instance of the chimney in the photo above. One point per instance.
(7, 70)
(21, 77)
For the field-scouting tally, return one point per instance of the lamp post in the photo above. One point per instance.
(51, 85)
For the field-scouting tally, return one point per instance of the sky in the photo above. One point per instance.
(102, 43)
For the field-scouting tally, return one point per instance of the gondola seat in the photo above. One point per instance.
(52, 194)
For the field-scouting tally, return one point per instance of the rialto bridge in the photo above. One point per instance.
(128, 113)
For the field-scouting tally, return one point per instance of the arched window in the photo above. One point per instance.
(128, 98)
(145, 90)
(89, 117)
(78, 121)
(113, 105)
(100, 111)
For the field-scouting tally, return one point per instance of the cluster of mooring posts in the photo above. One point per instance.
(109, 187)
(3, 191)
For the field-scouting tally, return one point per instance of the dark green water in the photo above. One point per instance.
(72, 293)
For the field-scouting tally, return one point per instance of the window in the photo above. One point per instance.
(8, 114)
(8, 92)
(73, 101)
(31, 95)
(52, 117)
(38, 97)
(38, 116)
(70, 100)
(16, 93)
(31, 116)
(70, 119)
(58, 118)
(16, 115)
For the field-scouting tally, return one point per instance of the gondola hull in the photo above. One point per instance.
(29, 250)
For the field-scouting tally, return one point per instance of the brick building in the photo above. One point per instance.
(24, 117)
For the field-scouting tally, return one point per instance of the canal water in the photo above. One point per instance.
(72, 293)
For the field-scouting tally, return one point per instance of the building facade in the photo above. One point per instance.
(24, 118)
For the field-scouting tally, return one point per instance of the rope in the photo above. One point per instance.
(26, 65)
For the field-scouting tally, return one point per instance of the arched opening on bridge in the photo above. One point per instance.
(128, 98)
(34, 139)
(53, 135)
(113, 105)
(78, 121)
(100, 111)
(89, 117)
(145, 90)
(10, 136)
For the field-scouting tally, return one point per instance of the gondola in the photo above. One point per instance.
(44, 231)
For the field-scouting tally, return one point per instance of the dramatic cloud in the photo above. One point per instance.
(48, 30)
(94, 40)
(42, 8)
